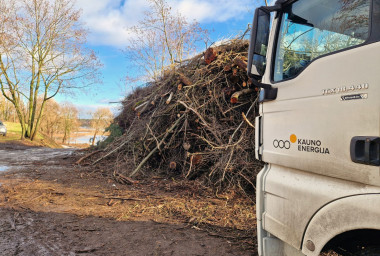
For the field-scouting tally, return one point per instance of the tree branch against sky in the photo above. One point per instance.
(42, 53)
(161, 39)
(108, 19)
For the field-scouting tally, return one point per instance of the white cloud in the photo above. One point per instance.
(107, 20)
(213, 10)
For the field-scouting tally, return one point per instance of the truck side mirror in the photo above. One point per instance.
(257, 53)
(258, 44)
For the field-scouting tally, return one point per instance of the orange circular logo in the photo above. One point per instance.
(293, 138)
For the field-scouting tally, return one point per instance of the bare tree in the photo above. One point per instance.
(41, 53)
(7, 110)
(69, 121)
(52, 118)
(162, 39)
(101, 119)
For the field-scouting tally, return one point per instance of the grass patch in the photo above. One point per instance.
(14, 135)
(13, 127)
(13, 132)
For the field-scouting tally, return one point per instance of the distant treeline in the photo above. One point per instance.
(85, 122)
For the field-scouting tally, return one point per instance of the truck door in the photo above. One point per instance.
(325, 62)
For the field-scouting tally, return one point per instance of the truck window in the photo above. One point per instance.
(310, 29)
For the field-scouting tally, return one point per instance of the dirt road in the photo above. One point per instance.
(49, 206)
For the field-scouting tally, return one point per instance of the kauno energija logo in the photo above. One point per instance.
(306, 145)
(281, 144)
(285, 143)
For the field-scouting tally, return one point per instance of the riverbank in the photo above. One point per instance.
(79, 139)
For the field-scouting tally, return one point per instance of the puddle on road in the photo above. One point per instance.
(30, 155)
(3, 168)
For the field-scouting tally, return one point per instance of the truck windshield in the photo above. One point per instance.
(310, 29)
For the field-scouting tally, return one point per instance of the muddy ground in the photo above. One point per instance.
(50, 206)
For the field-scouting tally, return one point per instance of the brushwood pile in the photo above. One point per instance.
(196, 122)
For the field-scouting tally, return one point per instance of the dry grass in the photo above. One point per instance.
(227, 215)
(158, 200)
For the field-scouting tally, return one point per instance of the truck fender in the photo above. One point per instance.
(339, 216)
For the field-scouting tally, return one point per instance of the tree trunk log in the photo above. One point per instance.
(185, 80)
(240, 63)
(210, 55)
(236, 95)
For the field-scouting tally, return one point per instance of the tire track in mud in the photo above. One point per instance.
(22, 235)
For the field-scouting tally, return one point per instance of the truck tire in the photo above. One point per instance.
(365, 251)
(369, 251)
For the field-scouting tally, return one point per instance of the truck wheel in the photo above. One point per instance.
(369, 251)
(365, 251)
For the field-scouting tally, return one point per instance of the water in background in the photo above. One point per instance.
(87, 139)
(3, 168)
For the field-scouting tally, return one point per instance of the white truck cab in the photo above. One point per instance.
(317, 63)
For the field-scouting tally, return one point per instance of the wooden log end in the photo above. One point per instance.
(234, 100)
(236, 95)
(186, 146)
(185, 80)
(227, 68)
(210, 55)
(196, 159)
(240, 63)
(173, 165)
(169, 99)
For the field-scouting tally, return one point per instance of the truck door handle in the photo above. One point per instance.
(365, 150)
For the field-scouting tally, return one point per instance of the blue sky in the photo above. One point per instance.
(107, 21)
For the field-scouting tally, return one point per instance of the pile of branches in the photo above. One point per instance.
(195, 122)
